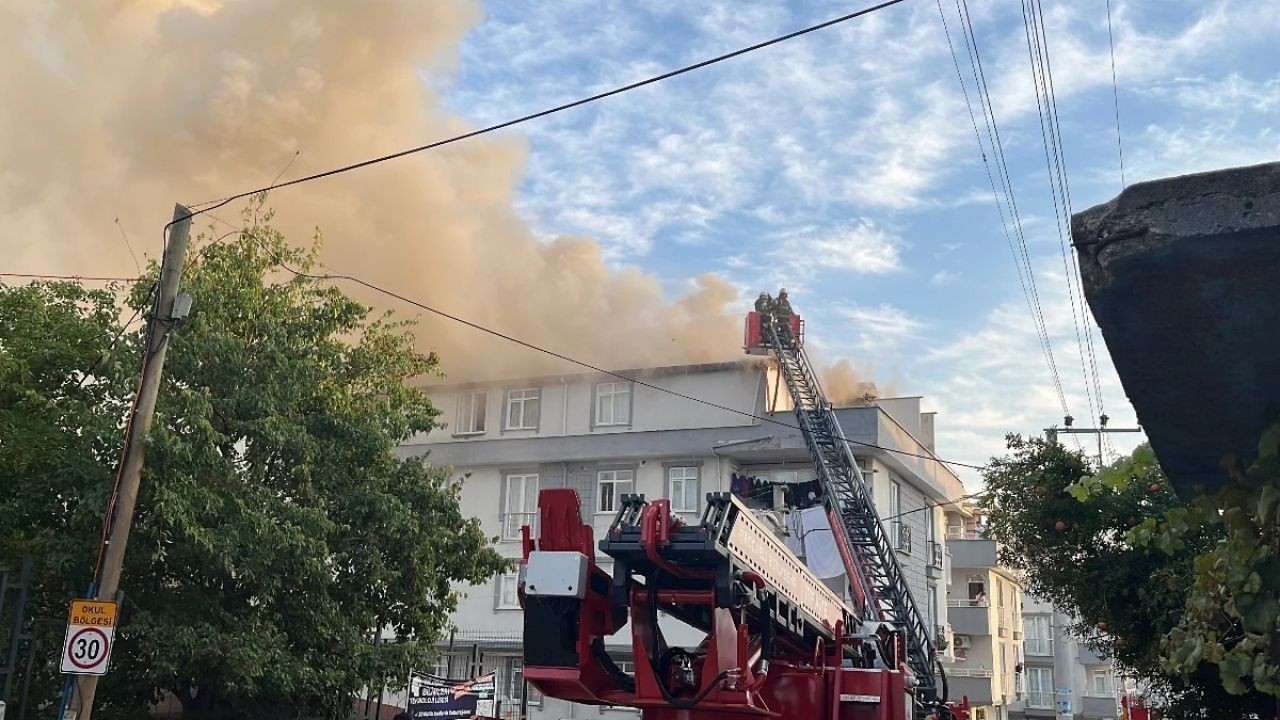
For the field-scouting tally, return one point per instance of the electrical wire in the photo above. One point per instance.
(1037, 53)
(1026, 278)
(1060, 189)
(128, 245)
(581, 363)
(90, 278)
(1115, 93)
(214, 204)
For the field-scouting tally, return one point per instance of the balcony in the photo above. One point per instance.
(1099, 704)
(968, 619)
(1088, 656)
(970, 549)
(974, 683)
(512, 522)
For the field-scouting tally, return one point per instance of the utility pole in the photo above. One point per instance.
(1052, 433)
(156, 344)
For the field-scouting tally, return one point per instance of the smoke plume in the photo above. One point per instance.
(119, 109)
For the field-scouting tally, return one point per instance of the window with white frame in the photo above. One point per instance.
(471, 408)
(532, 695)
(682, 488)
(1039, 687)
(1100, 681)
(1038, 640)
(613, 403)
(522, 409)
(519, 503)
(611, 485)
(506, 592)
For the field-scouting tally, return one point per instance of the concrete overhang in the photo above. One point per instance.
(1183, 277)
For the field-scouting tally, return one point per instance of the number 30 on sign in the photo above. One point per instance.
(91, 627)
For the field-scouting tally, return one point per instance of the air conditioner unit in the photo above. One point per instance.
(963, 642)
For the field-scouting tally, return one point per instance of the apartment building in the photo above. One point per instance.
(605, 437)
(984, 607)
(1063, 677)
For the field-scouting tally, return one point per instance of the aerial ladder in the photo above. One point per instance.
(775, 641)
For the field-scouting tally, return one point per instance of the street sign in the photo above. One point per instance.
(91, 628)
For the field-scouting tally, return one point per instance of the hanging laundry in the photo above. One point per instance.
(820, 552)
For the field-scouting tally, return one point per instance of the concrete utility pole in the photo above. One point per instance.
(157, 343)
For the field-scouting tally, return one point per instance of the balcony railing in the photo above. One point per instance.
(935, 554)
(512, 522)
(1038, 646)
(1040, 699)
(969, 672)
(901, 536)
(967, 603)
(1096, 693)
(959, 533)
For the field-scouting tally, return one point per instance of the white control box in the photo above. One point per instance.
(556, 574)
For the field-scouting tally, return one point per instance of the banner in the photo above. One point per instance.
(435, 698)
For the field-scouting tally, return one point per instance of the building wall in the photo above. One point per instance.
(567, 449)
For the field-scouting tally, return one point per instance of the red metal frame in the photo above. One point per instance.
(732, 682)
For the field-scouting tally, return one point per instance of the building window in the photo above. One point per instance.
(932, 590)
(613, 403)
(1039, 687)
(612, 485)
(522, 408)
(1100, 681)
(895, 513)
(999, 593)
(520, 503)
(471, 407)
(1038, 639)
(682, 488)
(506, 595)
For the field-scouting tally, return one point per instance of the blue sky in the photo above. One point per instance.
(843, 165)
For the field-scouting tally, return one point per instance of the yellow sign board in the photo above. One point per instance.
(92, 613)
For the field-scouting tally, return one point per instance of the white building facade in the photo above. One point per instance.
(605, 437)
(1064, 677)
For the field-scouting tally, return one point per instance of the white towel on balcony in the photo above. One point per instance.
(820, 552)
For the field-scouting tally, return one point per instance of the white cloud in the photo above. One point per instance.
(943, 277)
(863, 248)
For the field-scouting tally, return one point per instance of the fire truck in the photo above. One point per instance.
(777, 642)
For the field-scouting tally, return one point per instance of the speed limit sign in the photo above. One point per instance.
(91, 626)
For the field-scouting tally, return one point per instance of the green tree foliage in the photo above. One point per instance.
(1132, 562)
(276, 526)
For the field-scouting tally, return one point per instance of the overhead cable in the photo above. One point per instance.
(214, 204)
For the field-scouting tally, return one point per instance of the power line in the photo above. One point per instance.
(1115, 93)
(214, 204)
(90, 278)
(1060, 187)
(582, 363)
(1026, 278)
(127, 244)
(1037, 53)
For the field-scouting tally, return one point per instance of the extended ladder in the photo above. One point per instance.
(886, 596)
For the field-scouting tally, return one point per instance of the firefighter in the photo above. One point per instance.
(782, 307)
(764, 303)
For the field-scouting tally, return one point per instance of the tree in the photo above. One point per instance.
(276, 527)
(1115, 565)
